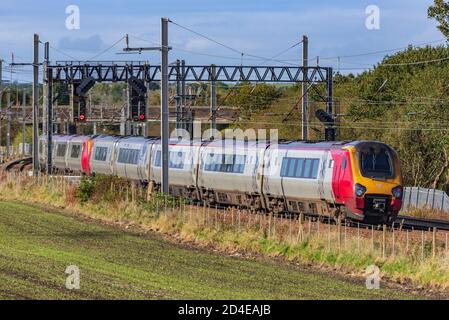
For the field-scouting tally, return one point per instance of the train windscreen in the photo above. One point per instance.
(376, 163)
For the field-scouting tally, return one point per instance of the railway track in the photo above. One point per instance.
(17, 165)
(422, 223)
(401, 222)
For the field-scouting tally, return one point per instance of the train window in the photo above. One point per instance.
(331, 163)
(175, 159)
(343, 163)
(61, 149)
(307, 169)
(292, 167)
(225, 163)
(129, 156)
(376, 164)
(76, 151)
(100, 153)
(300, 168)
(315, 164)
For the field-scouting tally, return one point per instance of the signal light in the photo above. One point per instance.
(85, 85)
(141, 117)
(138, 85)
(82, 109)
(323, 116)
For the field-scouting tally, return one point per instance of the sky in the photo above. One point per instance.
(263, 28)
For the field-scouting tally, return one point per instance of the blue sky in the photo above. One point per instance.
(259, 27)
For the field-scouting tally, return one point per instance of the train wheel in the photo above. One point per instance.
(340, 216)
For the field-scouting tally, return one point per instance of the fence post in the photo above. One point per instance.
(406, 243)
(442, 200)
(358, 237)
(434, 240)
(393, 236)
(422, 244)
(299, 228)
(417, 198)
(339, 235)
(384, 235)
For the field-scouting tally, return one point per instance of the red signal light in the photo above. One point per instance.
(82, 117)
(142, 117)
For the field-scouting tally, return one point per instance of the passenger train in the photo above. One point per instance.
(359, 180)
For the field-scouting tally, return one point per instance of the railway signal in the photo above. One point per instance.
(85, 85)
(78, 98)
(137, 98)
(328, 120)
(82, 109)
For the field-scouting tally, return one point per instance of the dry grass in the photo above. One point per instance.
(405, 256)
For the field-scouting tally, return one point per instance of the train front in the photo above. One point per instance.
(377, 182)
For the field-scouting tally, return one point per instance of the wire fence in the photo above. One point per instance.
(424, 198)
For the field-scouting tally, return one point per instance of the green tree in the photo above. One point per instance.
(440, 12)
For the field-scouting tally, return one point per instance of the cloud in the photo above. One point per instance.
(197, 44)
(90, 44)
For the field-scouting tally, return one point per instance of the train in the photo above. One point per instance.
(356, 180)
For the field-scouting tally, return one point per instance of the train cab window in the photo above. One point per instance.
(376, 163)
(100, 153)
(61, 149)
(305, 168)
(76, 151)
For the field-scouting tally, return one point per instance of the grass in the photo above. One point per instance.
(116, 201)
(37, 244)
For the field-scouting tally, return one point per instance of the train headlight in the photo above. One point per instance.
(359, 190)
(397, 192)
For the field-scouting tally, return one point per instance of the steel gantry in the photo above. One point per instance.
(76, 72)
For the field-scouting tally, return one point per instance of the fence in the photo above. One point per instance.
(423, 198)
(15, 151)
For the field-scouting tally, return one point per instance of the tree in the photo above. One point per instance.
(440, 12)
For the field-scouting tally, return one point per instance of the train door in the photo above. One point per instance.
(321, 175)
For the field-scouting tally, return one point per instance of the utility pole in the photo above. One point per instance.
(24, 100)
(8, 124)
(164, 104)
(178, 94)
(304, 85)
(1, 96)
(213, 98)
(183, 94)
(122, 122)
(49, 94)
(44, 89)
(35, 103)
(123, 116)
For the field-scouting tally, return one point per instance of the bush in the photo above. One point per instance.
(85, 189)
